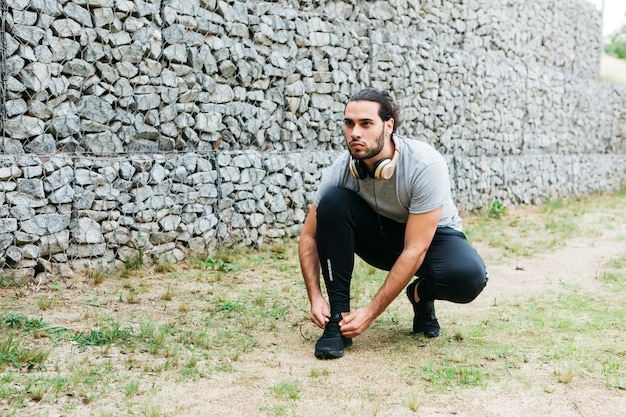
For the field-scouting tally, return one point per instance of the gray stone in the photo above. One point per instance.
(59, 178)
(65, 126)
(86, 230)
(103, 16)
(54, 243)
(31, 187)
(46, 224)
(79, 67)
(8, 225)
(66, 28)
(22, 127)
(96, 109)
(28, 34)
(105, 143)
(64, 194)
(15, 107)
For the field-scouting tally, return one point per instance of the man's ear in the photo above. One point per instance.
(389, 124)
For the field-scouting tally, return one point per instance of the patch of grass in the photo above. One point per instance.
(454, 376)
(614, 273)
(317, 372)
(168, 295)
(289, 390)
(614, 374)
(535, 230)
(14, 352)
(98, 276)
(108, 334)
(132, 388)
(18, 321)
(133, 263)
(221, 265)
(44, 302)
(163, 267)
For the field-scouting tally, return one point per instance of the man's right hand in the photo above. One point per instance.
(320, 312)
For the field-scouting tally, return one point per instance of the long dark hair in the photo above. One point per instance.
(388, 108)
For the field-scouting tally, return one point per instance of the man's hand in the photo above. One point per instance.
(356, 322)
(320, 312)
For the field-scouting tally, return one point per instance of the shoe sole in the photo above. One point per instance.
(429, 335)
(333, 354)
(328, 355)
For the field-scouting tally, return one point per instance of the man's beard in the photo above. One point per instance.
(372, 152)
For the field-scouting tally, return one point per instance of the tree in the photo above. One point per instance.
(617, 44)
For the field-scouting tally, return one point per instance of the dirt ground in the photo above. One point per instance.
(364, 371)
(376, 376)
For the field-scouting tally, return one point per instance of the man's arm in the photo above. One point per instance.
(310, 267)
(420, 229)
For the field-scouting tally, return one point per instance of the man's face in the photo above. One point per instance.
(365, 131)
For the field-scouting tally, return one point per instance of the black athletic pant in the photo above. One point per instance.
(452, 270)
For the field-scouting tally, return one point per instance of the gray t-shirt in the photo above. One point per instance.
(420, 183)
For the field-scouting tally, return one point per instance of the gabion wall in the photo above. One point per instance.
(161, 127)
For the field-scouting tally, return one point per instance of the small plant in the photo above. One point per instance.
(497, 210)
(413, 403)
(221, 265)
(131, 297)
(234, 306)
(44, 303)
(565, 376)
(168, 295)
(164, 266)
(7, 280)
(132, 387)
(98, 276)
(153, 410)
(22, 322)
(133, 263)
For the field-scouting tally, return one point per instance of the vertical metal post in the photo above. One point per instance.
(3, 72)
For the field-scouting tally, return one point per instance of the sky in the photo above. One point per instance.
(614, 16)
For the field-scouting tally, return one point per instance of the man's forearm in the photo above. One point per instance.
(399, 276)
(310, 267)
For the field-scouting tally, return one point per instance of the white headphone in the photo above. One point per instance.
(383, 169)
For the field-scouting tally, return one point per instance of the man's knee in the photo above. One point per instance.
(474, 281)
(334, 202)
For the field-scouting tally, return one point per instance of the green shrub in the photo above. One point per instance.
(617, 45)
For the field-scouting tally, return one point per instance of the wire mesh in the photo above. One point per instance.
(157, 127)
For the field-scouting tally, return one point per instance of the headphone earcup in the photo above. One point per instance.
(383, 170)
(357, 169)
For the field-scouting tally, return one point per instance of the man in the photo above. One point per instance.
(388, 201)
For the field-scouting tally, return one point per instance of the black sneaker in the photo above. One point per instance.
(424, 319)
(332, 343)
